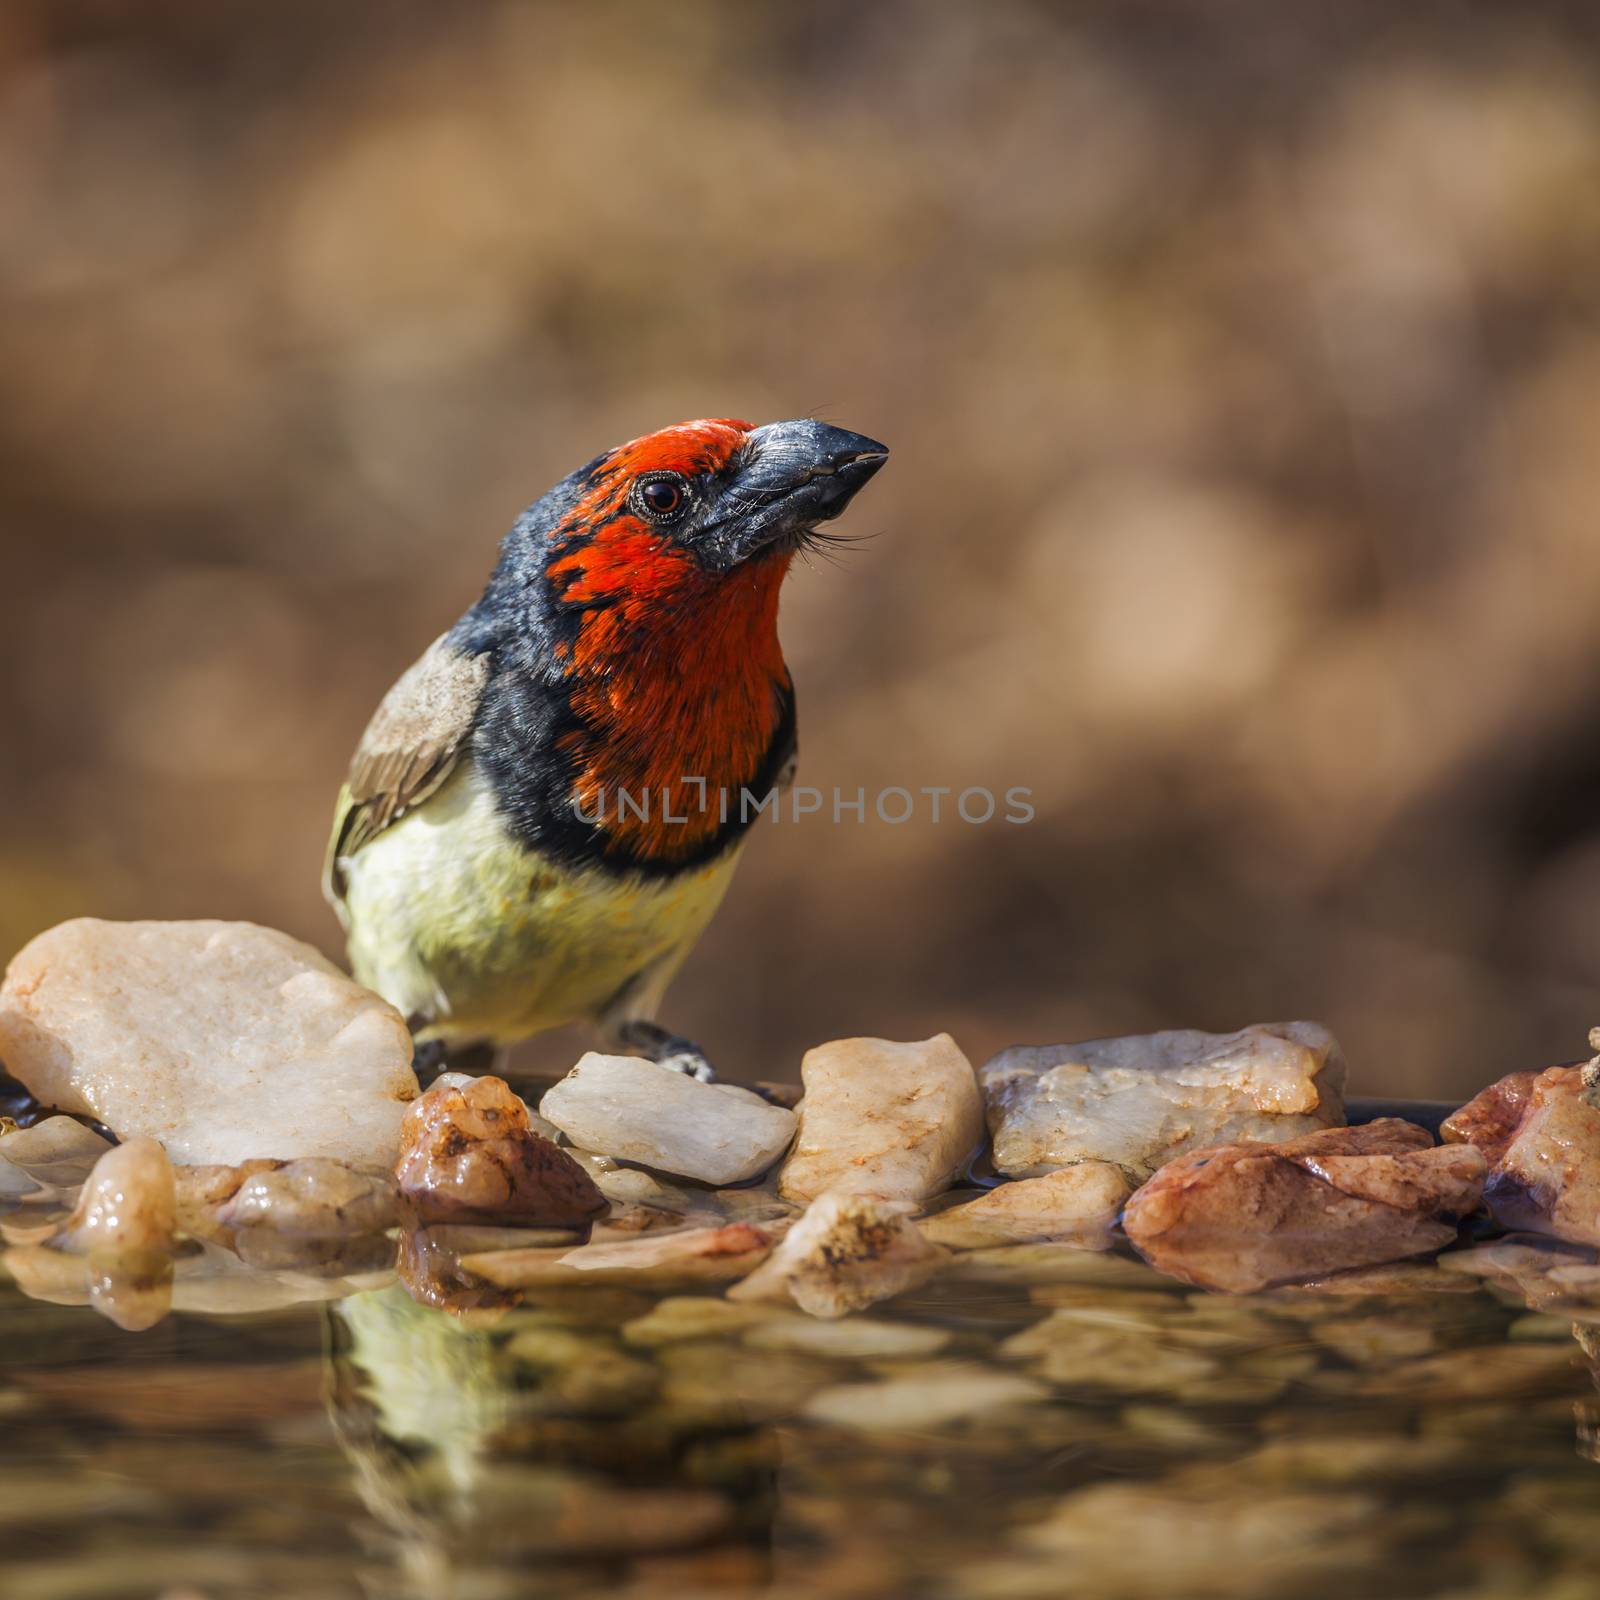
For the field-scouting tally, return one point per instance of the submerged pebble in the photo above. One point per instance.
(1121, 1355)
(1371, 1341)
(926, 1400)
(683, 1317)
(1148, 1539)
(1046, 1263)
(319, 1257)
(1481, 1372)
(852, 1339)
(708, 1384)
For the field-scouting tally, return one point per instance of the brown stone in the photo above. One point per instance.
(1242, 1217)
(468, 1154)
(1490, 1119)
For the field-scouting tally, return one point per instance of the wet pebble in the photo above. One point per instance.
(1150, 1539)
(1372, 1341)
(713, 1385)
(128, 1203)
(845, 1253)
(468, 1155)
(1037, 1265)
(1119, 1355)
(1480, 1372)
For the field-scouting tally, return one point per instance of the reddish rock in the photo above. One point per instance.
(1491, 1118)
(1243, 1217)
(468, 1154)
(1542, 1142)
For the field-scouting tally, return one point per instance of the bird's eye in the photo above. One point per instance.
(661, 498)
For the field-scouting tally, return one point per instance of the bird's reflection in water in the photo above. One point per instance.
(493, 1438)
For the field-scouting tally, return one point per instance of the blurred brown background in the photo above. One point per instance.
(1243, 378)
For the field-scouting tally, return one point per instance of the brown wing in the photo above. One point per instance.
(409, 749)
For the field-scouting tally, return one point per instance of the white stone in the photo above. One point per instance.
(846, 1252)
(633, 1110)
(1141, 1101)
(892, 1121)
(222, 1040)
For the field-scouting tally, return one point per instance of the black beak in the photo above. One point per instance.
(790, 477)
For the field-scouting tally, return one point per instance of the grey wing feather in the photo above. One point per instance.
(410, 747)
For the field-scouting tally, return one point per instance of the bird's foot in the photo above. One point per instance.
(669, 1050)
(428, 1060)
(690, 1062)
(434, 1056)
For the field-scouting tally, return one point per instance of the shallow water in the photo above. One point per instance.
(1045, 1422)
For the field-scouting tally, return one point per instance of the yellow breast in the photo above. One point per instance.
(455, 923)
